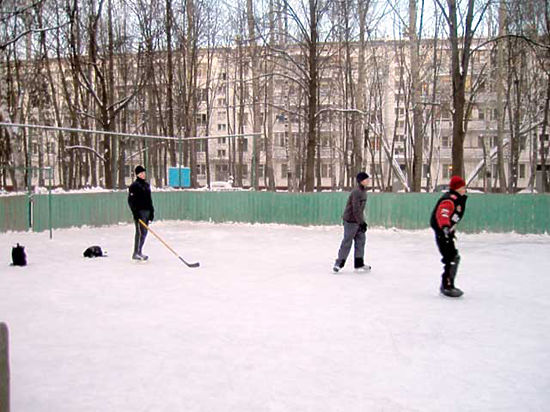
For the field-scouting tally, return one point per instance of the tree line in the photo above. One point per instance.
(153, 67)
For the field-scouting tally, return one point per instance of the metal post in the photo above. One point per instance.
(50, 201)
(4, 369)
(181, 160)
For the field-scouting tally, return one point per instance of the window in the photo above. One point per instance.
(200, 145)
(222, 172)
(222, 127)
(244, 118)
(284, 170)
(446, 141)
(243, 145)
(280, 139)
(201, 169)
(445, 111)
(221, 153)
(481, 114)
(50, 147)
(201, 119)
(522, 171)
(447, 170)
(399, 111)
(203, 95)
(222, 102)
(324, 138)
(281, 118)
(326, 170)
(222, 140)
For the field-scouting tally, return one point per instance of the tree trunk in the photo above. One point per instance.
(312, 98)
(500, 98)
(418, 137)
(256, 120)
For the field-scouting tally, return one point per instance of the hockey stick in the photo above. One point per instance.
(191, 265)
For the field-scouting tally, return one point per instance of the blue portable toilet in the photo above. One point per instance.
(179, 177)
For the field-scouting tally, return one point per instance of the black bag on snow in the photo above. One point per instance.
(94, 251)
(18, 256)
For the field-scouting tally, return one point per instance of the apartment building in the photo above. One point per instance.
(224, 90)
(283, 118)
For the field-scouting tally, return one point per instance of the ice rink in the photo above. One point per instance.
(264, 325)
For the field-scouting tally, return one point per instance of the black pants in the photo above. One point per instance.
(447, 248)
(141, 232)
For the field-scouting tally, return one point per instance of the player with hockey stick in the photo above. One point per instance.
(447, 213)
(141, 205)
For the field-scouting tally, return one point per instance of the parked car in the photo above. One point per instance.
(441, 188)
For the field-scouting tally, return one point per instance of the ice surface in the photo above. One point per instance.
(263, 324)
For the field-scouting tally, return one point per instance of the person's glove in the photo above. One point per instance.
(447, 233)
(363, 227)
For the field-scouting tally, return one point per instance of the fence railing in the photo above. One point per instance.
(484, 212)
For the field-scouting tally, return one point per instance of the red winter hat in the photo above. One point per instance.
(456, 182)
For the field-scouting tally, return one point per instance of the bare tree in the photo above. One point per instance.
(461, 52)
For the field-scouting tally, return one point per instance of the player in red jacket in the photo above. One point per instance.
(447, 213)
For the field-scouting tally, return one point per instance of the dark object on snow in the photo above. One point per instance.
(94, 251)
(18, 256)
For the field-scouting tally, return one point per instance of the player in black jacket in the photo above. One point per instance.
(447, 213)
(141, 205)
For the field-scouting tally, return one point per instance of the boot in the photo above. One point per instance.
(137, 256)
(360, 266)
(339, 264)
(447, 280)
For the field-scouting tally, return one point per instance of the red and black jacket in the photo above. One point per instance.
(448, 211)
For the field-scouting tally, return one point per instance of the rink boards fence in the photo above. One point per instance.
(524, 213)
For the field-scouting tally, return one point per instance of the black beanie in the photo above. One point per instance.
(139, 169)
(361, 176)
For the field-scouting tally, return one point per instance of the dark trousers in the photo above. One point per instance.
(352, 235)
(447, 248)
(141, 232)
(450, 259)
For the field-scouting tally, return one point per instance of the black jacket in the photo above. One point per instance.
(355, 205)
(448, 211)
(139, 197)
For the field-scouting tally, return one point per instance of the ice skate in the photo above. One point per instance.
(139, 257)
(338, 265)
(360, 266)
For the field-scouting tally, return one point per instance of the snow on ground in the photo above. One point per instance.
(263, 325)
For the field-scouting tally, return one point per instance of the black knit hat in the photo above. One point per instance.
(139, 169)
(362, 176)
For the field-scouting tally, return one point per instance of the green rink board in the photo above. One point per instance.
(14, 213)
(484, 212)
